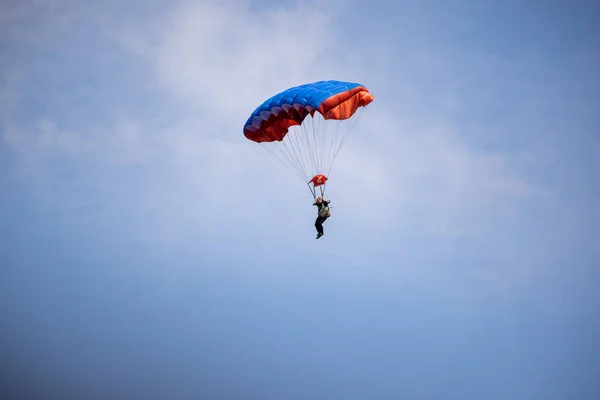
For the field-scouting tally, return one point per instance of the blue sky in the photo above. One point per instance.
(149, 250)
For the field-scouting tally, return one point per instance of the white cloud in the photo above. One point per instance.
(221, 60)
(225, 58)
(426, 180)
(215, 62)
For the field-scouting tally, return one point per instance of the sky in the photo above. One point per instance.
(148, 250)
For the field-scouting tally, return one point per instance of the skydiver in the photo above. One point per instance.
(323, 214)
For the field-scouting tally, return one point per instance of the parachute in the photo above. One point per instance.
(305, 126)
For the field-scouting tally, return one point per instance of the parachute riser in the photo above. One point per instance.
(313, 190)
(319, 181)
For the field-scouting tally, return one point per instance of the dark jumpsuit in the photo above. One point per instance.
(319, 221)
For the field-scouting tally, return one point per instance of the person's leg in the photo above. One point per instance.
(323, 219)
(319, 225)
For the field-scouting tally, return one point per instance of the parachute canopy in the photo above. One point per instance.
(304, 125)
(332, 99)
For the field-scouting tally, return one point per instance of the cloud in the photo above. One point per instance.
(216, 67)
(213, 62)
(222, 57)
(154, 146)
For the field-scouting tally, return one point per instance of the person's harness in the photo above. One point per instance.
(324, 211)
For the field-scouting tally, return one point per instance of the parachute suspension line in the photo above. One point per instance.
(309, 141)
(294, 154)
(292, 157)
(323, 145)
(294, 150)
(345, 135)
(308, 146)
(330, 150)
(354, 121)
(289, 164)
(307, 129)
(317, 139)
(319, 135)
(312, 134)
(300, 143)
(282, 149)
(322, 134)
